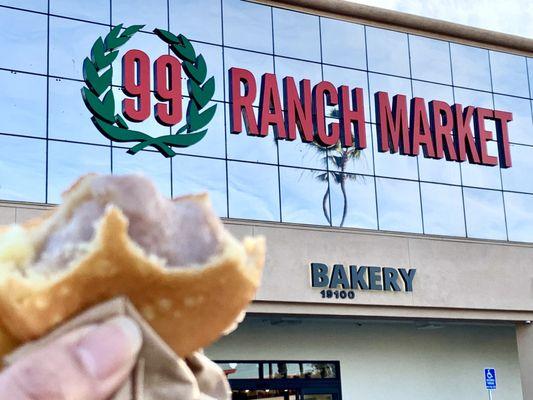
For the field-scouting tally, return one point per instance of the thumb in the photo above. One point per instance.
(87, 364)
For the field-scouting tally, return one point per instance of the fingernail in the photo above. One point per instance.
(109, 347)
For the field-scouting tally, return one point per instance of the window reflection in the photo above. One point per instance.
(399, 205)
(519, 216)
(353, 200)
(530, 69)
(298, 70)
(253, 191)
(22, 104)
(468, 97)
(482, 175)
(470, 67)
(196, 19)
(153, 14)
(198, 175)
(36, 5)
(442, 207)
(94, 10)
(70, 43)
(343, 43)
(148, 163)
(23, 37)
(484, 214)
(299, 154)
(509, 74)
(430, 59)
(240, 370)
(303, 42)
(351, 160)
(433, 91)
(69, 118)
(319, 370)
(304, 196)
(67, 161)
(518, 177)
(247, 25)
(521, 127)
(387, 51)
(22, 169)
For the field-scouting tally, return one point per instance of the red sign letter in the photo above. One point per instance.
(502, 133)
(441, 121)
(298, 111)
(352, 116)
(420, 130)
(483, 135)
(464, 140)
(270, 112)
(242, 103)
(136, 82)
(390, 127)
(326, 89)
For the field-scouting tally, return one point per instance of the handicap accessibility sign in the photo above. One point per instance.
(490, 378)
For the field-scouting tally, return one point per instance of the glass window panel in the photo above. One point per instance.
(94, 10)
(319, 370)
(430, 59)
(70, 43)
(442, 206)
(241, 146)
(302, 196)
(351, 160)
(353, 79)
(296, 35)
(519, 216)
(153, 47)
(247, 25)
(394, 165)
(432, 91)
(518, 177)
(343, 43)
(153, 14)
(483, 176)
(474, 98)
(199, 175)
(253, 191)
(22, 104)
(23, 36)
(530, 69)
(389, 84)
(22, 169)
(256, 63)
(353, 200)
(521, 127)
(388, 51)
(197, 19)
(148, 163)
(67, 161)
(240, 370)
(36, 5)
(470, 67)
(285, 370)
(69, 118)
(214, 142)
(484, 214)
(399, 205)
(299, 154)
(509, 74)
(442, 170)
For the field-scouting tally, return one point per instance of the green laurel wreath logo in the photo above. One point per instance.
(100, 101)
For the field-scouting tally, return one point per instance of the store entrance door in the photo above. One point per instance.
(283, 380)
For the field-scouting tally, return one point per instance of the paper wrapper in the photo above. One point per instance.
(159, 373)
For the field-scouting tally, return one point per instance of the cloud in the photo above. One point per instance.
(507, 16)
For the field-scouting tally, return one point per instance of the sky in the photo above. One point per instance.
(508, 16)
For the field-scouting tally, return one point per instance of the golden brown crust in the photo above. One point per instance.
(189, 307)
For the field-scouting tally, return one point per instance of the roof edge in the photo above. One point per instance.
(412, 22)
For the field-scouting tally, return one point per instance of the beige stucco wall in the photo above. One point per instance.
(384, 361)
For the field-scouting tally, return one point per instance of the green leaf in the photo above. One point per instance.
(98, 52)
(132, 30)
(97, 83)
(112, 37)
(120, 121)
(186, 139)
(117, 134)
(105, 109)
(106, 60)
(201, 94)
(196, 71)
(167, 36)
(196, 119)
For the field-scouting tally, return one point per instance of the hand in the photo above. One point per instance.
(87, 364)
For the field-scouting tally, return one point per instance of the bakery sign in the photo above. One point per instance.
(341, 281)
(290, 109)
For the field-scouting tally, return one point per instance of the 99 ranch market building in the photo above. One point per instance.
(387, 159)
